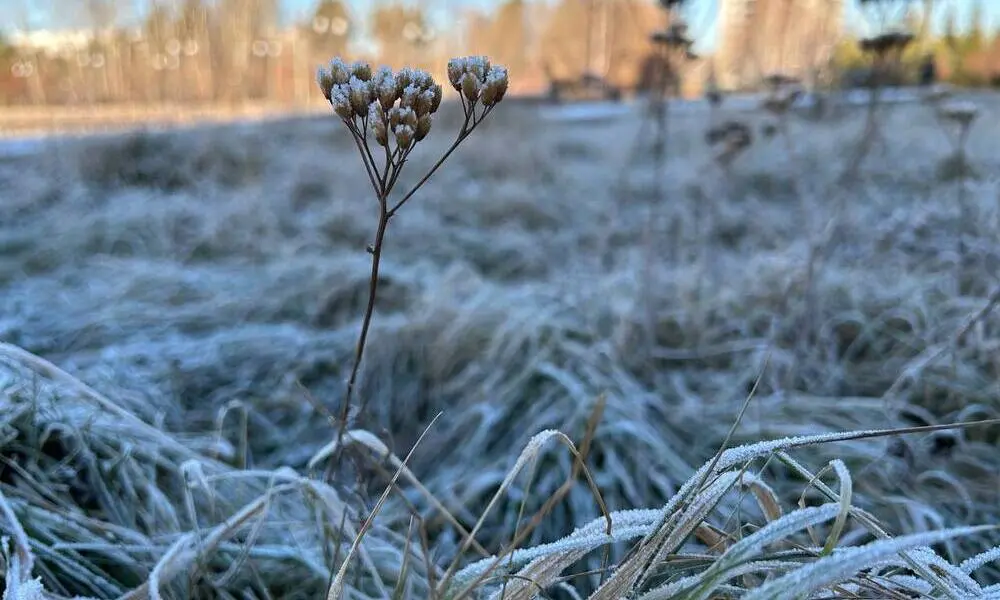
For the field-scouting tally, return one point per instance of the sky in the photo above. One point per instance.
(699, 13)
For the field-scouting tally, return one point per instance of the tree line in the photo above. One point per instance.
(219, 51)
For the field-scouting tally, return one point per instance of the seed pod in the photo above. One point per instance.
(341, 102)
(325, 80)
(423, 127)
(385, 88)
(470, 87)
(408, 118)
(361, 70)
(423, 102)
(395, 117)
(436, 94)
(381, 131)
(409, 96)
(360, 95)
(340, 72)
(404, 136)
(456, 69)
(495, 86)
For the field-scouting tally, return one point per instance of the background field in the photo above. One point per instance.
(208, 280)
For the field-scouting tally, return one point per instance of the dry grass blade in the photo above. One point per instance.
(337, 586)
(531, 452)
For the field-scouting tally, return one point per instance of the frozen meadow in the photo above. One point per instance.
(178, 311)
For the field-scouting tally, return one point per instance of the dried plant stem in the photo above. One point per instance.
(383, 185)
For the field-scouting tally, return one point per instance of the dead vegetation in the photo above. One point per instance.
(208, 289)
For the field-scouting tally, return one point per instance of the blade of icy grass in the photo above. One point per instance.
(745, 549)
(846, 492)
(845, 562)
(969, 565)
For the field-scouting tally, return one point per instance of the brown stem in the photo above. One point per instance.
(464, 133)
(383, 221)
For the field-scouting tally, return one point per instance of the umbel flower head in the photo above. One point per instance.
(393, 106)
(477, 80)
(395, 110)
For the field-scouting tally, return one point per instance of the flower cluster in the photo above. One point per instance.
(397, 104)
(477, 80)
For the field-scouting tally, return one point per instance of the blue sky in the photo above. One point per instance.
(700, 13)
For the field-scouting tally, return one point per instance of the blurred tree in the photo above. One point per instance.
(950, 29)
(329, 30)
(619, 32)
(975, 39)
(99, 60)
(193, 27)
(402, 32)
(504, 36)
(154, 60)
(245, 28)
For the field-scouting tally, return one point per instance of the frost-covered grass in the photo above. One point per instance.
(208, 287)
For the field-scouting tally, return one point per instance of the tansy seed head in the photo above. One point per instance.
(409, 96)
(404, 136)
(402, 116)
(423, 102)
(325, 80)
(340, 72)
(361, 70)
(478, 66)
(495, 86)
(436, 94)
(456, 68)
(470, 86)
(376, 118)
(385, 87)
(423, 127)
(361, 95)
(340, 99)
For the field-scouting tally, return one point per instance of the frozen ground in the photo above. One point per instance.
(210, 280)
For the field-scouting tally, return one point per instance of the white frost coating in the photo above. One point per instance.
(672, 590)
(31, 589)
(845, 562)
(774, 531)
(969, 565)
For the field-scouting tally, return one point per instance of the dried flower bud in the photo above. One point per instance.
(360, 95)
(470, 87)
(424, 80)
(424, 101)
(385, 87)
(495, 86)
(409, 96)
(456, 68)
(340, 99)
(478, 66)
(436, 94)
(340, 72)
(408, 117)
(395, 118)
(404, 136)
(361, 70)
(325, 80)
(423, 126)
(378, 125)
